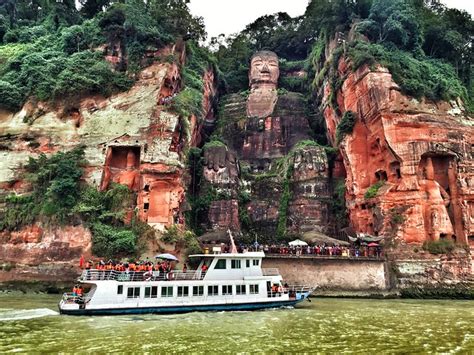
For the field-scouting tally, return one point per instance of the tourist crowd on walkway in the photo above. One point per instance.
(332, 250)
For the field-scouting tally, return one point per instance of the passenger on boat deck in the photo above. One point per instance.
(79, 291)
(185, 268)
(204, 268)
(74, 290)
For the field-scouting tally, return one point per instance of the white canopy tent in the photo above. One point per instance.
(297, 242)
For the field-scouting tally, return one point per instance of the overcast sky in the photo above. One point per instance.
(231, 16)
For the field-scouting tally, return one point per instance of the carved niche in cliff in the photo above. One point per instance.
(160, 200)
(443, 215)
(263, 79)
(121, 166)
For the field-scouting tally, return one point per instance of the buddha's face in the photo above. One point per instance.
(264, 69)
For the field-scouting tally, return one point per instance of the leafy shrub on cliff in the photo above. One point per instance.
(58, 196)
(56, 182)
(104, 212)
(20, 210)
(373, 190)
(338, 204)
(188, 102)
(112, 241)
(441, 246)
(55, 190)
(346, 125)
(49, 74)
(293, 83)
(417, 76)
(86, 72)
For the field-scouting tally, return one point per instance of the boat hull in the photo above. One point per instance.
(180, 309)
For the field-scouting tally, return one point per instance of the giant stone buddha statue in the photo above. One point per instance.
(263, 80)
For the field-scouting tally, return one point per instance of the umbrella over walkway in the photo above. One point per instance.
(297, 242)
(166, 256)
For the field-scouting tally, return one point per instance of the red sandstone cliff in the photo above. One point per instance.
(420, 152)
(132, 138)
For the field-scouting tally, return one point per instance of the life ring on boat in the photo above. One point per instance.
(170, 276)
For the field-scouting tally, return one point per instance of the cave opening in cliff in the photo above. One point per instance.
(395, 171)
(435, 167)
(119, 156)
(470, 240)
(381, 175)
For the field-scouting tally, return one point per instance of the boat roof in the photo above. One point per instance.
(250, 254)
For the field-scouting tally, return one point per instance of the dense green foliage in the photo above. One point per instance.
(58, 196)
(418, 77)
(346, 125)
(55, 190)
(441, 246)
(373, 190)
(426, 46)
(52, 51)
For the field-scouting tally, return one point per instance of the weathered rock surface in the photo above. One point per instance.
(260, 131)
(420, 151)
(132, 138)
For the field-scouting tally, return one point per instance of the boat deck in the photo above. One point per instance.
(175, 275)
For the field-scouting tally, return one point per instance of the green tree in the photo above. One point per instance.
(90, 8)
(393, 21)
(175, 18)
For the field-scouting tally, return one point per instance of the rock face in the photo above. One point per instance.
(132, 138)
(261, 134)
(418, 154)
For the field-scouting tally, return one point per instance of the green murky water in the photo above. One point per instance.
(30, 323)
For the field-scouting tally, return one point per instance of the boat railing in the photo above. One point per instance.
(296, 291)
(113, 275)
(270, 272)
(69, 297)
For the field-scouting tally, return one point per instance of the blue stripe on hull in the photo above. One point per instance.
(180, 309)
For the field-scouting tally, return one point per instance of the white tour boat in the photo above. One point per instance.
(234, 281)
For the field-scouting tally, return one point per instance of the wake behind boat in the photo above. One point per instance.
(222, 282)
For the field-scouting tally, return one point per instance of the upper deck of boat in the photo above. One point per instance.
(234, 271)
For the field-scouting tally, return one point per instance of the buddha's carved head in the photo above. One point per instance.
(264, 70)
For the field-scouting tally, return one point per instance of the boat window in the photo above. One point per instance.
(167, 291)
(247, 263)
(256, 262)
(240, 290)
(235, 264)
(253, 289)
(221, 264)
(198, 290)
(120, 290)
(151, 292)
(133, 292)
(226, 290)
(213, 290)
(183, 291)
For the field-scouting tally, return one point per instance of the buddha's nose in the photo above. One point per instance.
(265, 68)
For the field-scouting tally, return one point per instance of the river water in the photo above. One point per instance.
(30, 323)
